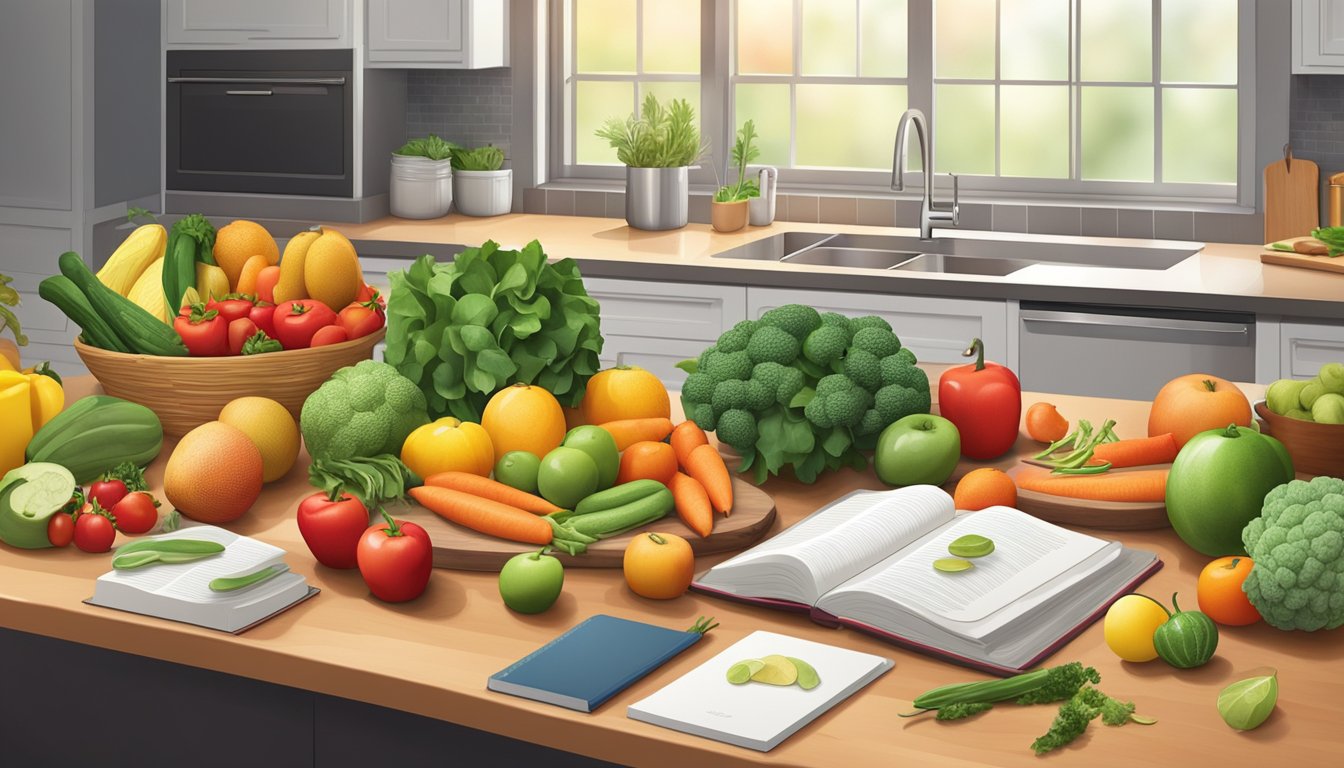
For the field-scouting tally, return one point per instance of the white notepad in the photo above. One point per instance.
(756, 715)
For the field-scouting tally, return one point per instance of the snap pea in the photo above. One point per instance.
(234, 583)
(617, 496)
(183, 546)
(610, 522)
(134, 560)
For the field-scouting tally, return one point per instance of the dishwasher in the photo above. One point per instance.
(1128, 353)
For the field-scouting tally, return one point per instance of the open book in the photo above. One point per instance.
(866, 561)
(181, 591)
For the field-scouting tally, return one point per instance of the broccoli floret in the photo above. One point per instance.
(703, 416)
(759, 396)
(769, 374)
(906, 355)
(871, 423)
(1297, 547)
(771, 344)
(815, 412)
(868, 321)
(737, 428)
(725, 366)
(704, 356)
(895, 402)
(733, 340)
(825, 345)
(896, 370)
(749, 326)
(698, 388)
(363, 410)
(838, 402)
(728, 395)
(797, 319)
(837, 320)
(864, 369)
(833, 384)
(877, 341)
(791, 382)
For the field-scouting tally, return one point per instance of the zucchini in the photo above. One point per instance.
(61, 291)
(97, 433)
(179, 269)
(141, 331)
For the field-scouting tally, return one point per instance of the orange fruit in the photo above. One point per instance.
(523, 418)
(247, 279)
(1044, 424)
(214, 474)
(985, 487)
(331, 271)
(238, 241)
(647, 460)
(1194, 403)
(271, 427)
(1221, 597)
(625, 392)
(658, 565)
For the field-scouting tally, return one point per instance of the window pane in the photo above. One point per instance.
(594, 104)
(764, 37)
(828, 37)
(666, 92)
(882, 27)
(1117, 40)
(1035, 39)
(1034, 131)
(604, 35)
(963, 128)
(671, 30)
(1117, 134)
(1199, 41)
(963, 39)
(830, 134)
(768, 105)
(1199, 135)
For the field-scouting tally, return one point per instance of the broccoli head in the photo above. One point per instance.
(895, 370)
(698, 388)
(759, 396)
(837, 320)
(724, 366)
(877, 341)
(868, 321)
(839, 402)
(737, 428)
(733, 340)
(895, 402)
(825, 345)
(864, 368)
(363, 410)
(906, 355)
(729, 395)
(1297, 546)
(771, 344)
(797, 319)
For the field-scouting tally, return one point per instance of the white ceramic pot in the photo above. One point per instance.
(420, 188)
(483, 193)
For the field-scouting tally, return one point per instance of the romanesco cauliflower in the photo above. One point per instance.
(1297, 545)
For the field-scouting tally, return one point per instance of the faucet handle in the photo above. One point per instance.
(956, 202)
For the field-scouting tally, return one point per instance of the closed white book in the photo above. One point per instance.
(758, 715)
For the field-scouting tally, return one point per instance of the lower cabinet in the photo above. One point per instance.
(1305, 347)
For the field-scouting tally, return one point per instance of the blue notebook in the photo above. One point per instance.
(591, 662)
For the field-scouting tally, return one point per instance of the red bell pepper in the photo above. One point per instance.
(205, 333)
(297, 321)
(984, 401)
(332, 528)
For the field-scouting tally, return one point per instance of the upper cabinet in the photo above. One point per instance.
(438, 34)
(1318, 37)
(259, 23)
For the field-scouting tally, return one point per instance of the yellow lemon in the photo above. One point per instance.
(1130, 624)
(271, 427)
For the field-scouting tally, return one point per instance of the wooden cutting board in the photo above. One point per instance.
(1301, 260)
(466, 550)
(1108, 515)
(1292, 197)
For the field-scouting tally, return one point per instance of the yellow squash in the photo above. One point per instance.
(141, 248)
(147, 293)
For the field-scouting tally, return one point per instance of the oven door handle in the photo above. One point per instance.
(262, 80)
(249, 93)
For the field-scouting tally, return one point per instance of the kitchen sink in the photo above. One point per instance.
(862, 258)
(963, 265)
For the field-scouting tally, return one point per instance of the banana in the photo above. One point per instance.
(141, 248)
(147, 293)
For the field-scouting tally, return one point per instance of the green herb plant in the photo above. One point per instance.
(658, 137)
(140, 213)
(374, 480)
(430, 146)
(1333, 237)
(744, 151)
(10, 298)
(487, 158)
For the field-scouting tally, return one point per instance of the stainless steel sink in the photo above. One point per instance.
(962, 265)
(862, 258)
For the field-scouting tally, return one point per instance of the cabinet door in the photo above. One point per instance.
(937, 330)
(35, 131)
(1318, 36)
(28, 254)
(259, 23)
(657, 325)
(1305, 347)
(416, 30)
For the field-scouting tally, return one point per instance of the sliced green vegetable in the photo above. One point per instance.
(235, 583)
(971, 545)
(807, 674)
(1246, 704)
(742, 671)
(952, 564)
(374, 480)
(176, 546)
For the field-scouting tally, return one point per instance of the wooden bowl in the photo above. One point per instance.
(186, 392)
(1317, 449)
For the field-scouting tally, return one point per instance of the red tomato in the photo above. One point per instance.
(359, 319)
(368, 294)
(395, 559)
(332, 529)
(263, 314)
(136, 513)
(297, 321)
(205, 333)
(60, 529)
(94, 531)
(332, 334)
(107, 492)
(231, 308)
(240, 331)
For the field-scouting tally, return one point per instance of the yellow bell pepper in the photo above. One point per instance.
(449, 445)
(48, 398)
(9, 355)
(16, 413)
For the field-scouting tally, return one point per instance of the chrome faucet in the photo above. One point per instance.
(929, 212)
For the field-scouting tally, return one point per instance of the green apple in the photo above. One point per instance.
(1298, 413)
(1331, 377)
(1284, 395)
(920, 448)
(566, 476)
(518, 469)
(601, 448)
(1310, 392)
(531, 582)
(1328, 409)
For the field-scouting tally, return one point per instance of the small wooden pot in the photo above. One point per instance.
(1314, 448)
(728, 217)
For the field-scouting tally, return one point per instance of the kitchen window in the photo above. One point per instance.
(1114, 100)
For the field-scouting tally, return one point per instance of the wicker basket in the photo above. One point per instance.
(188, 391)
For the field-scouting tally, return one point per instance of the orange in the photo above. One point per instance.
(271, 427)
(238, 241)
(214, 474)
(647, 460)
(1044, 424)
(625, 392)
(985, 487)
(523, 418)
(658, 565)
(1221, 597)
(1194, 403)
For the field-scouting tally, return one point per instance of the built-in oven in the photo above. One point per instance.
(266, 122)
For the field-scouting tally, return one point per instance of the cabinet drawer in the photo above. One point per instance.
(659, 356)
(1305, 347)
(655, 311)
(258, 23)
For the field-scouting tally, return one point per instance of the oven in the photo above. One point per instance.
(261, 121)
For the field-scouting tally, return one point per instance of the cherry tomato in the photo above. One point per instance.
(332, 334)
(360, 319)
(136, 513)
(370, 294)
(1220, 592)
(107, 492)
(332, 529)
(94, 532)
(395, 559)
(231, 307)
(205, 333)
(60, 529)
(263, 314)
(240, 331)
(297, 321)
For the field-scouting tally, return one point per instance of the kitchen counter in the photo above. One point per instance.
(432, 656)
(1222, 277)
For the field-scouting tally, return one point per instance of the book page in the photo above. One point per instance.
(190, 581)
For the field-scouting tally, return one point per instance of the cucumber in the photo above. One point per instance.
(610, 522)
(141, 331)
(97, 433)
(617, 496)
(179, 269)
(59, 290)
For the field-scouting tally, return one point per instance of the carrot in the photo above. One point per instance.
(706, 465)
(1145, 485)
(247, 278)
(266, 280)
(493, 490)
(627, 432)
(484, 515)
(1136, 452)
(692, 504)
(685, 437)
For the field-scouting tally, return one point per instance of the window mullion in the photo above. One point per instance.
(1076, 91)
(1157, 91)
(919, 65)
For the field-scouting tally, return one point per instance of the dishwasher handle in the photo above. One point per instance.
(1131, 326)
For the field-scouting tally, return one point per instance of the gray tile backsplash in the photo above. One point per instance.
(467, 107)
(1043, 220)
(1009, 218)
(1099, 222)
(1133, 223)
(1173, 225)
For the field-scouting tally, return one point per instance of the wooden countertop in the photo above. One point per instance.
(432, 656)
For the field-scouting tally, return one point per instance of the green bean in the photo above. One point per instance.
(234, 583)
(186, 546)
(134, 560)
(1093, 469)
(1055, 446)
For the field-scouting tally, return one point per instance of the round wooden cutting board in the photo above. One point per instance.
(1085, 513)
(466, 550)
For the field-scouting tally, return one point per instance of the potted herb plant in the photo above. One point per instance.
(421, 183)
(481, 183)
(728, 210)
(658, 147)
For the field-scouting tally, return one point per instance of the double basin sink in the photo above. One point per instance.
(955, 255)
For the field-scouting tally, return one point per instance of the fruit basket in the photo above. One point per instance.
(1317, 449)
(188, 391)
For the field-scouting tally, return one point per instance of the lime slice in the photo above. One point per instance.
(742, 671)
(952, 564)
(971, 545)
(776, 670)
(807, 675)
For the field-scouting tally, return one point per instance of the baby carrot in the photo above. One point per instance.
(706, 465)
(484, 515)
(1136, 452)
(492, 489)
(627, 432)
(1145, 485)
(692, 504)
(685, 437)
